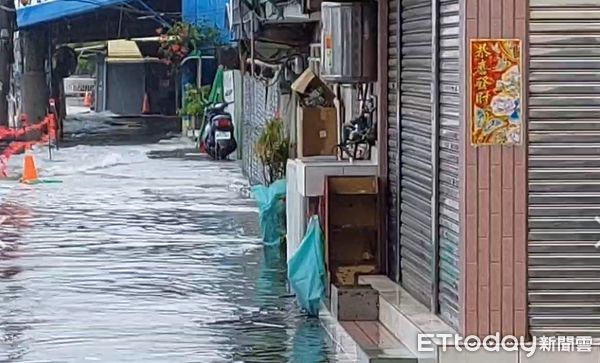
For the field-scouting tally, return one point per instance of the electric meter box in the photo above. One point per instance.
(349, 42)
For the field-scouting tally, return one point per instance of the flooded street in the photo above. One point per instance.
(120, 257)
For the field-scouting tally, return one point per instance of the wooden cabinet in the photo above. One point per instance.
(352, 228)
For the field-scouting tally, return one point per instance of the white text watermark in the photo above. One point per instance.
(496, 343)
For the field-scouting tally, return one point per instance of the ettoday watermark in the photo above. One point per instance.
(496, 343)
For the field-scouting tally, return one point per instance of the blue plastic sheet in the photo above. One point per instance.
(271, 206)
(199, 11)
(49, 10)
(306, 269)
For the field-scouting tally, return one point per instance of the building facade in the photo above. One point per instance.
(494, 238)
(492, 226)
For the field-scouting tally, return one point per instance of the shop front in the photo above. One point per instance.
(562, 167)
(492, 172)
(423, 151)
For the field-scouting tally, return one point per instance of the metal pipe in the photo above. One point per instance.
(381, 122)
(252, 42)
(105, 86)
(186, 59)
(399, 133)
(253, 83)
(155, 15)
(263, 64)
(6, 36)
(435, 136)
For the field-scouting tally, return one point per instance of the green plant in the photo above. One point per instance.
(183, 39)
(195, 101)
(85, 66)
(272, 149)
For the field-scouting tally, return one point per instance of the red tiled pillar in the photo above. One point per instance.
(494, 198)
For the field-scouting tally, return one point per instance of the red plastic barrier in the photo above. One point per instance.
(48, 125)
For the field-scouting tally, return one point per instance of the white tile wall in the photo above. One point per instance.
(452, 355)
(311, 173)
(295, 211)
(562, 357)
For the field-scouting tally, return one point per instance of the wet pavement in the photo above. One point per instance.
(138, 259)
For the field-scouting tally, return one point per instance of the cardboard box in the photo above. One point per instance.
(317, 131)
(308, 83)
(317, 124)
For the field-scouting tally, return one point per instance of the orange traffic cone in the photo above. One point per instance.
(146, 105)
(30, 174)
(87, 101)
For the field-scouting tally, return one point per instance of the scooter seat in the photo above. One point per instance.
(221, 116)
(217, 107)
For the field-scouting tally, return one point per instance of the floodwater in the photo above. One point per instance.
(120, 257)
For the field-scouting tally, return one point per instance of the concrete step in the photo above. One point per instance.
(404, 316)
(377, 344)
(364, 342)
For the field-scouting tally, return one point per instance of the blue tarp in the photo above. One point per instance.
(50, 10)
(271, 206)
(306, 269)
(213, 11)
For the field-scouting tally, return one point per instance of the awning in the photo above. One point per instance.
(123, 51)
(126, 51)
(43, 11)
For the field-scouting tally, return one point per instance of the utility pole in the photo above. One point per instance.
(7, 21)
(34, 87)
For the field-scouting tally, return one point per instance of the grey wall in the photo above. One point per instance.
(260, 104)
(100, 101)
(125, 88)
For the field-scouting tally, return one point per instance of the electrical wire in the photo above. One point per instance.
(157, 16)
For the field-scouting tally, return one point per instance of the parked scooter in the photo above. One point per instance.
(218, 136)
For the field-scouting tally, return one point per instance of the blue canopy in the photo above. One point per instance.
(49, 10)
(213, 11)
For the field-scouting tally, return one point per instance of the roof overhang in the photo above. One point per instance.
(132, 61)
(45, 11)
(80, 21)
(126, 51)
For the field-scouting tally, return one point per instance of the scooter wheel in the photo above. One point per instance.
(223, 151)
(217, 151)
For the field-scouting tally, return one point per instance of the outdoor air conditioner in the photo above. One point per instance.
(349, 42)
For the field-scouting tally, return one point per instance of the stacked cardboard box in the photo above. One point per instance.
(317, 124)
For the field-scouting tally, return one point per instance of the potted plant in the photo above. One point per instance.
(272, 149)
(183, 39)
(194, 103)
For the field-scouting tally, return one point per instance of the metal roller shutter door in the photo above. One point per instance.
(449, 98)
(415, 144)
(564, 167)
(392, 139)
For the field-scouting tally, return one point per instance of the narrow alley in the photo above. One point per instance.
(140, 254)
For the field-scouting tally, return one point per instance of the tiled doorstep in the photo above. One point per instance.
(347, 350)
(345, 347)
(453, 356)
(406, 318)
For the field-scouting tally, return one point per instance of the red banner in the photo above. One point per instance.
(496, 92)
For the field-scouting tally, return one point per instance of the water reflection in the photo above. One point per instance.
(154, 260)
(309, 343)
